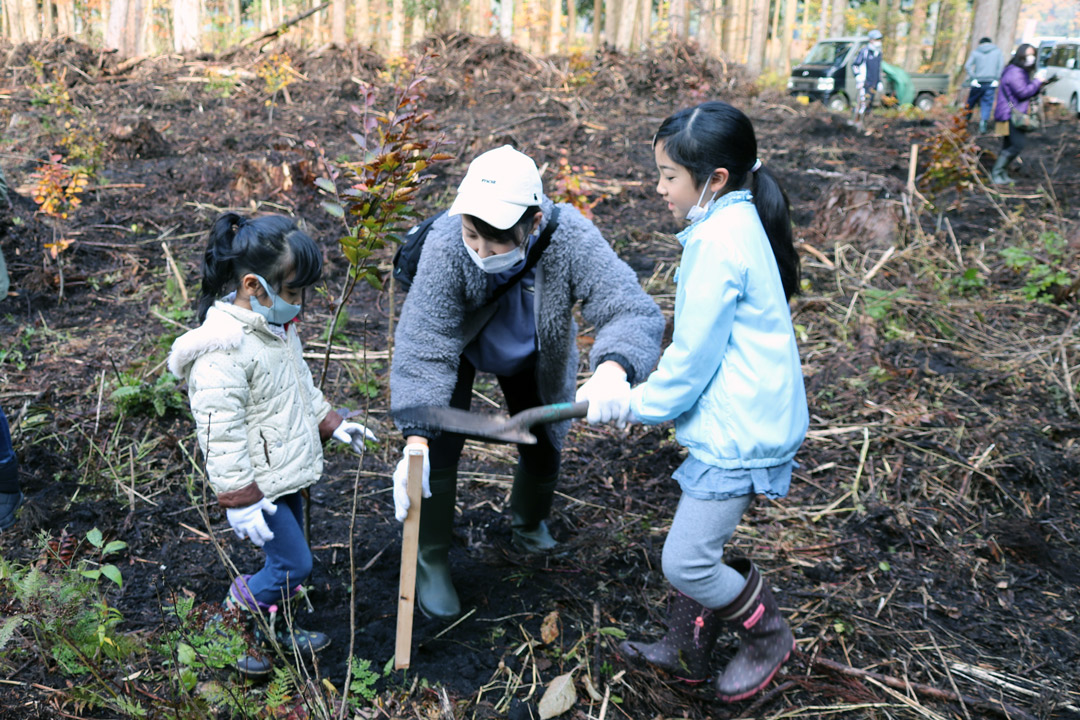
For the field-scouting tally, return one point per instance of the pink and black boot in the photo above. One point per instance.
(685, 650)
(765, 639)
(288, 635)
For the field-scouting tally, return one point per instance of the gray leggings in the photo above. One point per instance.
(693, 557)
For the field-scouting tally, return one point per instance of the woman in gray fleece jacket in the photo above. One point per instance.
(527, 338)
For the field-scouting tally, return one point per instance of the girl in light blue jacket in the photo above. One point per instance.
(732, 382)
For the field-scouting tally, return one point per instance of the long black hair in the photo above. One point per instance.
(269, 246)
(1020, 56)
(716, 135)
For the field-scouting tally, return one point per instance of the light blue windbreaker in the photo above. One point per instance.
(731, 378)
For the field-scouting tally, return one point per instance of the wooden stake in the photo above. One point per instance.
(410, 541)
(176, 272)
(912, 165)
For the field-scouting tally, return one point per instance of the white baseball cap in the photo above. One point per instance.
(499, 185)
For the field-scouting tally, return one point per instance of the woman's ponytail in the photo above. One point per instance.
(217, 269)
(773, 208)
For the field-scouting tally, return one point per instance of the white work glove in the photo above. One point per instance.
(608, 395)
(248, 522)
(881, 87)
(352, 433)
(994, 84)
(975, 83)
(401, 480)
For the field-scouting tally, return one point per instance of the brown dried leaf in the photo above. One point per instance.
(549, 629)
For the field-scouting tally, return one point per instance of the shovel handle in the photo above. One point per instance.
(549, 414)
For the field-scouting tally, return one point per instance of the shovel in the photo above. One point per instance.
(493, 428)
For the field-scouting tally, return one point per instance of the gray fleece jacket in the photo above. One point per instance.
(449, 290)
(985, 63)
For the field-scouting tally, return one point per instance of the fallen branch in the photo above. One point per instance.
(274, 32)
(997, 707)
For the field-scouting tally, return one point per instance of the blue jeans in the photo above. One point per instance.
(983, 96)
(9, 464)
(288, 557)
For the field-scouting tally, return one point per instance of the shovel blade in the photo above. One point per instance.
(491, 428)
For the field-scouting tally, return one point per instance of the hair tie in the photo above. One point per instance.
(757, 165)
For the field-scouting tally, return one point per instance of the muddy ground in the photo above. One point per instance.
(931, 531)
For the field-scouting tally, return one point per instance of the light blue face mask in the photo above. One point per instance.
(493, 264)
(279, 312)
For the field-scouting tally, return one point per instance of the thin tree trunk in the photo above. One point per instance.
(479, 10)
(597, 11)
(677, 9)
(772, 52)
(913, 55)
(506, 20)
(571, 24)
(397, 28)
(31, 24)
(114, 27)
(554, 39)
(837, 23)
(337, 23)
(419, 24)
(185, 18)
(759, 33)
(237, 13)
(823, 24)
(788, 35)
(945, 37)
(265, 21)
(627, 13)
(611, 20)
(378, 25)
(1006, 28)
(48, 24)
(362, 23)
(884, 22)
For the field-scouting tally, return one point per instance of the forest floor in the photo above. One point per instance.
(927, 555)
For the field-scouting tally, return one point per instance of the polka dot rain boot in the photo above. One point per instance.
(765, 640)
(684, 652)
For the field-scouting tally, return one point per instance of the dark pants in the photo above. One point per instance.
(9, 464)
(288, 557)
(521, 393)
(983, 96)
(1014, 142)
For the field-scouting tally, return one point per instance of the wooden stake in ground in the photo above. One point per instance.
(410, 541)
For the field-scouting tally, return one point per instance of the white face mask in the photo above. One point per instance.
(1029, 60)
(494, 264)
(697, 212)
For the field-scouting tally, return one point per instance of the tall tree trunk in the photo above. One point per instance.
(362, 23)
(185, 18)
(884, 21)
(397, 28)
(554, 35)
(623, 35)
(265, 20)
(759, 33)
(772, 43)
(419, 24)
(678, 10)
(788, 35)
(378, 25)
(48, 24)
(611, 20)
(913, 55)
(31, 23)
(506, 20)
(337, 23)
(237, 13)
(837, 22)
(1006, 28)
(114, 27)
(984, 22)
(571, 24)
(823, 24)
(597, 12)
(945, 37)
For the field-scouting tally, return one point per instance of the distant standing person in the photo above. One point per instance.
(1015, 90)
(983, 68)
(867, 69)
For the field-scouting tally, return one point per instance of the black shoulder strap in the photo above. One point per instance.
(534, 255)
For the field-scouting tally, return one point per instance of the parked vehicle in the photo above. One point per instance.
(1064, 61)
(826, 75)
(1044, 47)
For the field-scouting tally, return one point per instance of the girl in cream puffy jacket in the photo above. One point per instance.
(260, 419)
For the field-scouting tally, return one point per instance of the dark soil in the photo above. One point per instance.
(934, 518)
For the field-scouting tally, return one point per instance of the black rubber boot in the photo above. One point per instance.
(435, 593)
(765, 640)
(684, 652)
(530, 505)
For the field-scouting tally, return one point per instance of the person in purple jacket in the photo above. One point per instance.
(1015, 91)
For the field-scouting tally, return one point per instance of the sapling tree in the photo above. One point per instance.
(373, 196)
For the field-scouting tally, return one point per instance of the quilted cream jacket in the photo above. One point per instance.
(260, 418)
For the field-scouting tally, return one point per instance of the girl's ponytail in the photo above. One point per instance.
(772, 206)
(717, 135)
(270, 246)
(217, 269)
